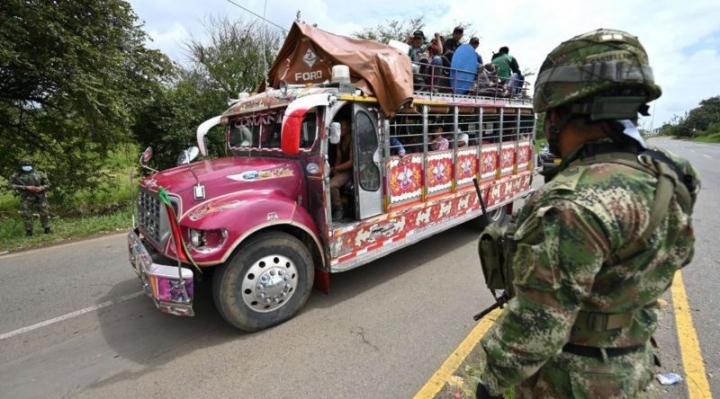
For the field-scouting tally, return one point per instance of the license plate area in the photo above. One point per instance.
(172, 289)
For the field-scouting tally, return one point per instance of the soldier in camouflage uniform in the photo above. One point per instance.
(600, 242)
(31, 185)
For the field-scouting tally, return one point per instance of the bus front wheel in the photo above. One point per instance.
(266, 282)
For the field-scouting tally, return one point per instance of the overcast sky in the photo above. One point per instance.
(682, 38)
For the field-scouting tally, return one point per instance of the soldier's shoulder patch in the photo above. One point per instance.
(567, 179)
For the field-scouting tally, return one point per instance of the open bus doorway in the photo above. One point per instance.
(355, 167)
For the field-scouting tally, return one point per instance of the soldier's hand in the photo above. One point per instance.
(33, 188)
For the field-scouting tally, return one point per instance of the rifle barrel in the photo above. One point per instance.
(499, 304)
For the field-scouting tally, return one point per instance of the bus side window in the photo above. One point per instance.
(309, 130)
(510, 125)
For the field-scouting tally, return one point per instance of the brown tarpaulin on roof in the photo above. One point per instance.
(379, 70)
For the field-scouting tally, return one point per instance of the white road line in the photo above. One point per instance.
(68, 316)
(705, 155)
(692, 150)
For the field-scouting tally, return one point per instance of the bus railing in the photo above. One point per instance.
(436, 79)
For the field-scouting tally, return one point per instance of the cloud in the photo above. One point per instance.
(681, 38)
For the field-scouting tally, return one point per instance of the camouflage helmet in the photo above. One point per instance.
(604, 73)
(26, 162)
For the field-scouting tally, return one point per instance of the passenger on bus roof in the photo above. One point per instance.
(452, 43)
(418, 51)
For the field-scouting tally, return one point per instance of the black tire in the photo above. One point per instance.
(236, 284)
(496, 216)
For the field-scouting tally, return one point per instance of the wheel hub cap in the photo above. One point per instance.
(269, 283)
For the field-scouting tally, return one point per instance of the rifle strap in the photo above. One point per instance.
(649, 161)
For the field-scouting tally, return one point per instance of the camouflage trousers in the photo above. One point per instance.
(30, 204)
(578, 377)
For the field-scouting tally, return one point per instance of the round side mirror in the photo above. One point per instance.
(146, 156)
(188, 155)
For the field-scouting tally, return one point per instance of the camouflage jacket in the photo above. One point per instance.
(33, 178)
(565, 235)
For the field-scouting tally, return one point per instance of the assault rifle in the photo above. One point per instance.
(39, 195)
(491, 277)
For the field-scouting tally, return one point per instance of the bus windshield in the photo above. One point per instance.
(261, 130)
(256, 130)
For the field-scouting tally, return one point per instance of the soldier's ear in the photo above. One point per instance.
(553, 116)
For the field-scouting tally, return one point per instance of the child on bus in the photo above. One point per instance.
(439, 142)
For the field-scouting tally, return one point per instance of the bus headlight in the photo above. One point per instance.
(207, 240)
(197, 238)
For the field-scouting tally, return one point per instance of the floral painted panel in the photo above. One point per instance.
(439, 172)
(466, 166)
(507, 158)
(406, 178)
(523, 156)
(489, 163)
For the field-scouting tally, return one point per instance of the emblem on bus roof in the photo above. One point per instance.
(309, 58)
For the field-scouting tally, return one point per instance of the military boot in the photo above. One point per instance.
(28, 233)
(47, 230)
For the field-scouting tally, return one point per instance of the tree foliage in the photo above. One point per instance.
(72, 75)
(391, 30)
(701, 120)
(237, 56)
(400, 30)
(234, 59)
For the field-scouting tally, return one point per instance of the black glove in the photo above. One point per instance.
(482, 393)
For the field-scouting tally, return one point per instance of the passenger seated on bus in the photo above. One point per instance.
(422, 54)
(452, 43)
(396, 147)
(439, 141)
(341, 172)
(475, 43)
(463, 139)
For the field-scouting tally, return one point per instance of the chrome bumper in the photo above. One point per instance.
(162, 283)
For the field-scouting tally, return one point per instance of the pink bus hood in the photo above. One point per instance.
(231, 174)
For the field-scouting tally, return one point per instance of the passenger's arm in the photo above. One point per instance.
(514, 66)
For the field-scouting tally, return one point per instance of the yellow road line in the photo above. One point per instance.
(697, 383)
(453, 362)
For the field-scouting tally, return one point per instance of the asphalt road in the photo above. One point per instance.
(381, 333)
(702, 276)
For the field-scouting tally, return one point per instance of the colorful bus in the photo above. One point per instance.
(259, 226)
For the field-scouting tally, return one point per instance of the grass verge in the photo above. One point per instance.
(710, 138)
(12, 230)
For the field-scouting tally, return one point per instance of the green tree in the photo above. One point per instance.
(72, 74)
(392, 30)
(233, 59)
(400, 30)
(700, 118)
(236, 57)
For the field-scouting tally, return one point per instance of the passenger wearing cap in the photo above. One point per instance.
(418, 51)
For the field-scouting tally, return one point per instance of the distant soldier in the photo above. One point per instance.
(31, 185)
(596, 247)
